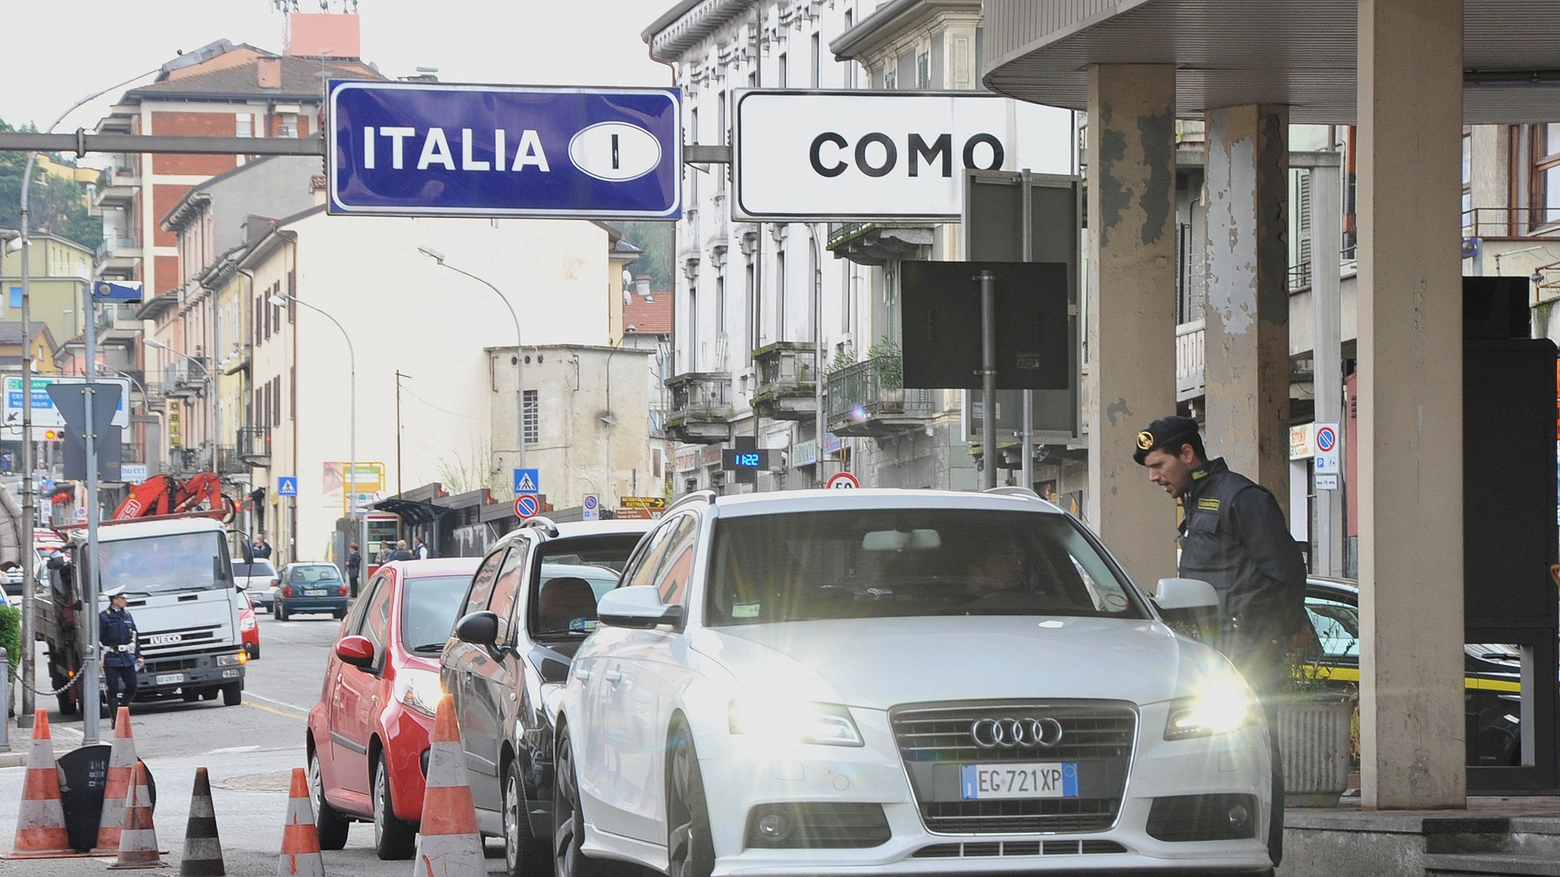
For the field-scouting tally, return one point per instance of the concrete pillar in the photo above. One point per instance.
(1131, 293)
(1327, 344)
(1410, 405)
(1247, 316)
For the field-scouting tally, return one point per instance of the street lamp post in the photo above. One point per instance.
(438, 257)
(25, 715)
(211, 397)
(359, 525)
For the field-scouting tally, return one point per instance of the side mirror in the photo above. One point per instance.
(478, 628)
(356, 650)
(637, 606)
(1185, 594)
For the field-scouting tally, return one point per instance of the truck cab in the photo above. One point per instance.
(179, 580)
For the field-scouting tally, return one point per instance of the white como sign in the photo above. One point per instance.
(820, 155)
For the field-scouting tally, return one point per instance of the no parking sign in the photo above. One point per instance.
(525, 505)
(592, 506)
(1327, 459)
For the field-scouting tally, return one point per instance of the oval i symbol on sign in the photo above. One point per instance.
(615, 151)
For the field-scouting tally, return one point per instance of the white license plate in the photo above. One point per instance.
(316, 592)
(989, 782)
(170, 678)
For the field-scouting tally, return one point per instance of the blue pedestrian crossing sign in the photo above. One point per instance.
(527, 481)
(287, 485)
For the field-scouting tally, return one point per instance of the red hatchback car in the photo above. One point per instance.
(367, 740)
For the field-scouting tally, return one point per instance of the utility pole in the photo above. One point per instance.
(398, 377)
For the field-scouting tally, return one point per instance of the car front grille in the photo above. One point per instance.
(179, 639)
(935, 744)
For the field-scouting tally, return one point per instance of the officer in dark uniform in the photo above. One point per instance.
(121, 651)
(1233, 536)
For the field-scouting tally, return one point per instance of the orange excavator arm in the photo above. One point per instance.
(166, 495)
(154, 496)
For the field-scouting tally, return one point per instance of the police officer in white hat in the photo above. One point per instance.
(121, 650)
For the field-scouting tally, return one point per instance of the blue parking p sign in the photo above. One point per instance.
(435, 149)
(287, 485)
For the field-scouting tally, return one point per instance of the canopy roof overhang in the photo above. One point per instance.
(1299, 53)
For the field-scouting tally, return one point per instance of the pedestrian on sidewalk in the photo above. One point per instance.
(354, 568)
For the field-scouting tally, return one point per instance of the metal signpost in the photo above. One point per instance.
(420, 149)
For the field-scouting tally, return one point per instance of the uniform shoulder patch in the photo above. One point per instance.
(1208, 505)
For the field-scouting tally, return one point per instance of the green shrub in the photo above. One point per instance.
(11, 636)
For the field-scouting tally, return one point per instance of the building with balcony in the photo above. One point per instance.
(58, 273)
(450, 416)
(218, 90)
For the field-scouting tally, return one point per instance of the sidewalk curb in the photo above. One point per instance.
(13, 759)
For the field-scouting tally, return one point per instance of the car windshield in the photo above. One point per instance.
(428, 607)
(259, 568)
(164, 564)
(306, 575)
(921, 562)
(575, 573)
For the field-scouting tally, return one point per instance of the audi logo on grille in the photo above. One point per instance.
(1009, 733)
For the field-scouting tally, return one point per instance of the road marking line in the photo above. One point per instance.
(232, 749)
(282, 703)
(270, 709)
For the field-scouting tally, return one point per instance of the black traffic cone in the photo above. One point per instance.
(202, 847)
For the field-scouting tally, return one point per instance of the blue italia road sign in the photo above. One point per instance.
(424, 149)
(287, 485)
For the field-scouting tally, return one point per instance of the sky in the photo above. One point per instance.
(52, 55)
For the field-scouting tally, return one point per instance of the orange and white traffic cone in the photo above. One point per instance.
(40, 822)
(300, 839)
(448, 843)
(121, 760)
(138, 839)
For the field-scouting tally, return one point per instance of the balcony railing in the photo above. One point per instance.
(229, 462)
(1526, 223)
(1189, 359)
(701, 407)
(254, 445)
(785, 381)
(862, 402)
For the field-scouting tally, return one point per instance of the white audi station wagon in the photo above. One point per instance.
(900, 682)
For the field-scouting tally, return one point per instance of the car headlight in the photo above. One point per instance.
(247, 624)
(230, 660)
(1224, 704)
(791, 722)
(419, 690)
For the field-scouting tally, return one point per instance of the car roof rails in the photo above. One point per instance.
(706, 496)
(1024, 492)
(543, 523)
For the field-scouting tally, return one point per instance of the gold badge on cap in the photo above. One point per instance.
(1145, 440)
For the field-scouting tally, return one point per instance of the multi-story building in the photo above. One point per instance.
(429, 356)
(767, 310)
(195, 339)
(219, 90)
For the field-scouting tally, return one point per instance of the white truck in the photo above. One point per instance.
(178, 577)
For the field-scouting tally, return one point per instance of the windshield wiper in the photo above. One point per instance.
(429, 647)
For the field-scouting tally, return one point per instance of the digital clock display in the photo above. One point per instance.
(746, 461)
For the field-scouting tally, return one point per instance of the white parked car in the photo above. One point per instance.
(906, 682)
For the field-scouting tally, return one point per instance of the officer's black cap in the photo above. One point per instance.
(1164, 431)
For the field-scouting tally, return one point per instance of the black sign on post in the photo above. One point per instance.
(109, 458)
(942, 340)
(71, 401)
(745, 458)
